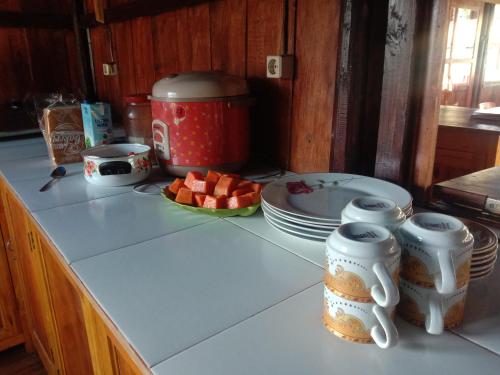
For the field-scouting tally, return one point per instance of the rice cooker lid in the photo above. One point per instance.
(198, 86)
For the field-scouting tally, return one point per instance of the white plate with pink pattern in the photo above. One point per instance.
(324, 195)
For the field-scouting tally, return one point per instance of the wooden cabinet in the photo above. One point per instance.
(41, 319)
(69, 331)
(10, 324)
(68, 314)
(461, 151)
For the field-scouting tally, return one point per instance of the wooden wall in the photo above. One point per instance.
(292, 120)
(34, 59)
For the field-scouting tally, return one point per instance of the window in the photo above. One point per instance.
(460, 47)
(492, 62)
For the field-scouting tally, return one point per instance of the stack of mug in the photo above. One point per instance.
(437, 252)
(362, 273)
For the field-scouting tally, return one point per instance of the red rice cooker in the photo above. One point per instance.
(200, 122)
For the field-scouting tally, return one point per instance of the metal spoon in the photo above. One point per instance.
(56, 173)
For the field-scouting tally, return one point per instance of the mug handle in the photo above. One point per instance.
(434, 320)
(386, 294)
(446, 280)
(385, 333)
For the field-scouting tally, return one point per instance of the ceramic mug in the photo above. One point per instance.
(437, 251)
(359, 322)
(425, 306)
(363, 264)
(376, 210)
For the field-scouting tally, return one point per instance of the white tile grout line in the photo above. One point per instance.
(146, 240)
(237, 323)
(276, 244)
(474, 342)
(76, 203)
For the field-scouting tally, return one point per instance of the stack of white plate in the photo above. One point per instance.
(310, 205)
(485, 250)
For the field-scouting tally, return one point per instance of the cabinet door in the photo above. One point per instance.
(16, 275)
(10, 326)
(42, 329)
(109, 355)
(68, 314)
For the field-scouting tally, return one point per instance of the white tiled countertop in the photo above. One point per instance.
(199, 295)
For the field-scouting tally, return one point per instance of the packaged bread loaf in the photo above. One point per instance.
(63, 130)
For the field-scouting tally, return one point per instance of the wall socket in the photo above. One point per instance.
(110, 69)
(280, 66)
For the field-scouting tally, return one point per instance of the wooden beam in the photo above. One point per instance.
(138, 8)
(357, 97)
(83, 52)
(394, 121)
(431, 53)
(35, 20)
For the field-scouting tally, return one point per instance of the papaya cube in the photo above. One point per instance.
(204, 187)
(191, 176)
(176, 185)
(244, 184)
(215, 202)
(241, 191)
(199, 199)
(257, 187)
(255, 197)
(232, 175)
(225, 186)
(241, 201)
(213, 177)
(185, 196)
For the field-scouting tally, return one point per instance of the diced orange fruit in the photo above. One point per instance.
(199, 199)
(176, 185)
(215, 202)
(232, 175)
(255, 197)
(244, 184)
(241, 191)
(185, 196)
(241, 201)
(204, 187)
(191, 176)
(213, 177)
(257, 187)
(225, 186)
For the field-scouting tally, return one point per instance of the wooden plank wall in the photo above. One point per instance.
(292, 120)
(35, 60)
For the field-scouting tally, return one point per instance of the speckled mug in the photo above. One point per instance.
(437, 251)
(426, 307)
(363, 264)
(359, 322)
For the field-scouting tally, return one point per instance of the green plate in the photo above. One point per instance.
(221, 212)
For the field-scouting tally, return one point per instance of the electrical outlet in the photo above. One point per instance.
(280, 66)
(110, 69)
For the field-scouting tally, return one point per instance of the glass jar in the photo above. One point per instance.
(137, 121)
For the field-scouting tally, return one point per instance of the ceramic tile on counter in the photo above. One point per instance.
(6, 142)
(24, 151)
(313, 251)
(482, 312)
(289, 338)
(86, 229)
(33, 168)
(169, 293)
(72, 188)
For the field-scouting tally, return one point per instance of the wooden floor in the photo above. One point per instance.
(16, 361)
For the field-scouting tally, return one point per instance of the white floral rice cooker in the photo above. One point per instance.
(116, 164)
